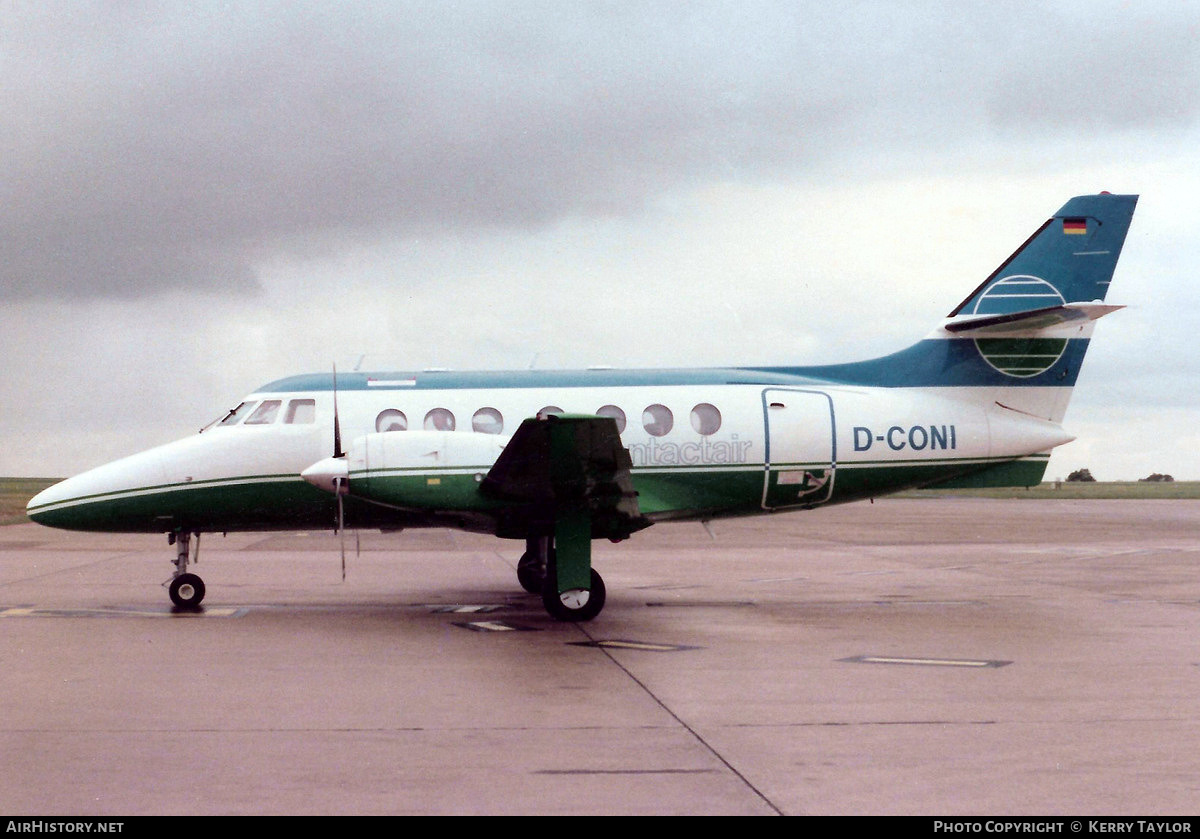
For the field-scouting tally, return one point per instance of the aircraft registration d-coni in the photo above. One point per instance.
(560, 458)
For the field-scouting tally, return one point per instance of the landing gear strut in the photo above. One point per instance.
(186, 590)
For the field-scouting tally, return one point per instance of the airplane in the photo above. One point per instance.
(561, 458)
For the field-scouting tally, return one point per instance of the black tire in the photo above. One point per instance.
(531, 574)
(570, 611)
(187, 590)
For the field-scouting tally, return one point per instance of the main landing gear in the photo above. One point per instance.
(186, 590)
(531, 567)
(541, 571)
(574, 604)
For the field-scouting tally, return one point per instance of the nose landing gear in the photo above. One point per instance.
(186, 590)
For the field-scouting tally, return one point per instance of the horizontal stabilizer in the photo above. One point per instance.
(967, 326)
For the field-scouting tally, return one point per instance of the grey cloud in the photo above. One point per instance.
(150, 147)
(156, 147)
(1073, 70)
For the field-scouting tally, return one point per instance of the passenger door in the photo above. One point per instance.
(801, 451)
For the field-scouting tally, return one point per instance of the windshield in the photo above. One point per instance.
(238, 414)
(230, 417)
(265, 415)
(253, 412)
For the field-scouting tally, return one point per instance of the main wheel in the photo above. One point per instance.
(576, 604)
(186, 590)
(531, 574)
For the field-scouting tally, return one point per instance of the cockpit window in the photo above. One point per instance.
(301, 412)
(266, 413)
(238, 414)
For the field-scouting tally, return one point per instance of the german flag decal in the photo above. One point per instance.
(1075, 226)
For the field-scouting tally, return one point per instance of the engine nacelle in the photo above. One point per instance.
(439, 470)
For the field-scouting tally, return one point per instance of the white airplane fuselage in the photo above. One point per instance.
(726, 449)
(978, 402)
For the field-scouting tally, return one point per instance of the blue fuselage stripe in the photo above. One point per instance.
(929, 363)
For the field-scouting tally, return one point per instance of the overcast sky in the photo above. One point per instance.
(199, 198)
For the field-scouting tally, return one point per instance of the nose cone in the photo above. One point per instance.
(106, 498)
(330, 474)
(36, 509)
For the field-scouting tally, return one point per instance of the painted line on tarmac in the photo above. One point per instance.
(496, 626)
(644, 646)
(122, 612)
(465, 608)
(924, 662)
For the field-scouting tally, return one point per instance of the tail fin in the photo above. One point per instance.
(1070, 259)
(1029, 324)
(1019, 339)
(1016, 344)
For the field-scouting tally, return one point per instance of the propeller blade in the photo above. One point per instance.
(341, 524)
(339, 483)
(337, 427)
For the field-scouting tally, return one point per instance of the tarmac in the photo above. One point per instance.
(935, 657)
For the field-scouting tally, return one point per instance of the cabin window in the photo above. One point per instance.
(301, 412)
(439, 419)
(706, 419)
(657, 420)
(487, 421)
(238, 414)
(265, 415)
(548, 410)
(391, 420)
(614, 412)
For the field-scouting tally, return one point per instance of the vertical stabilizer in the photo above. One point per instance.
(1020, 337)
(1070, 259)
(1030, 323)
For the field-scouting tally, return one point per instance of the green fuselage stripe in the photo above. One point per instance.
(432, 496)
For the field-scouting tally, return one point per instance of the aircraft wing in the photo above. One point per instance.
(567, 464)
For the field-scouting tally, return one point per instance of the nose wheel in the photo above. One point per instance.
(185, 589)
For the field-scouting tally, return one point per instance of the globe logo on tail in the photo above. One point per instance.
(1017, 356)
